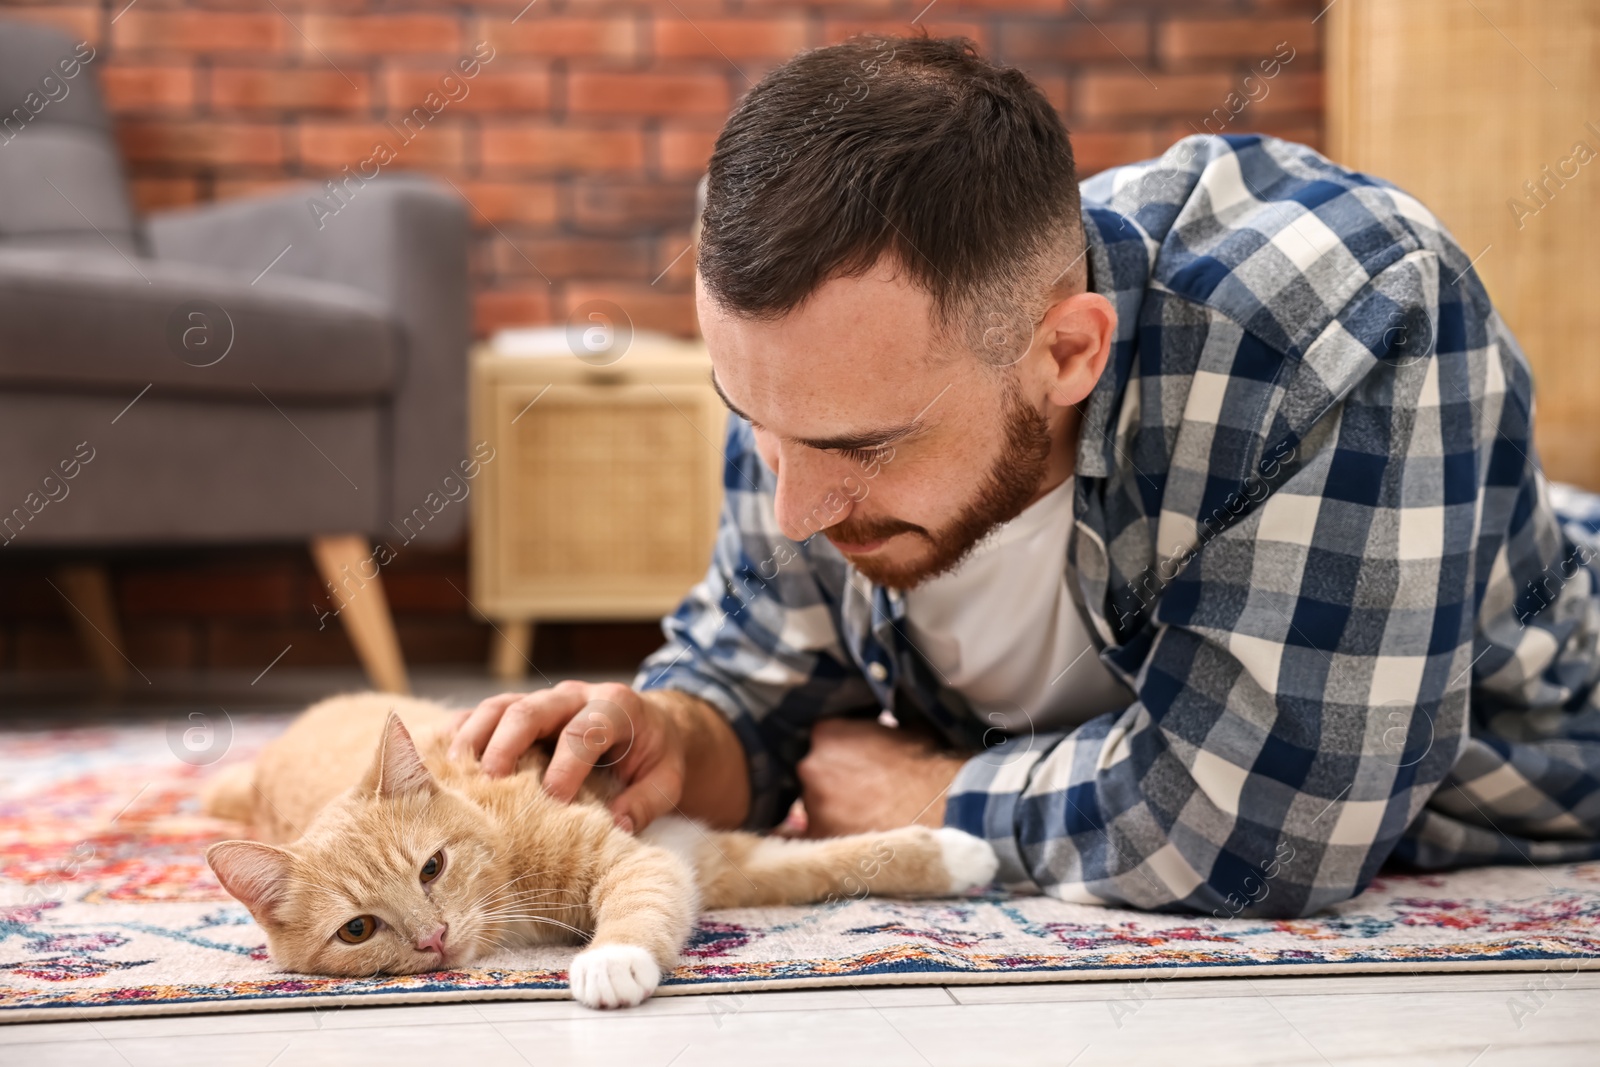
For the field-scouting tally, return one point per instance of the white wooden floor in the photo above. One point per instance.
(1463, 1020)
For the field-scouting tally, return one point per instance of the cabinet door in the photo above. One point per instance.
(605, 498)
(1489, 112)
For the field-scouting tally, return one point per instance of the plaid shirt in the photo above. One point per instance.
(1311, 536)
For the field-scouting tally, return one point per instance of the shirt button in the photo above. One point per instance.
(878, 671)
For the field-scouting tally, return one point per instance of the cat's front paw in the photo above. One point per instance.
(613, 976)
(969, 860)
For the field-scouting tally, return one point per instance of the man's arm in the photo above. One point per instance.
(757, 640)
(1307, 679)
(716, 786)
(717, 719)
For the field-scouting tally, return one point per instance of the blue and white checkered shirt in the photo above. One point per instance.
(1312, 537)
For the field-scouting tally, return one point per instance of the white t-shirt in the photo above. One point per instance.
(1002, 628)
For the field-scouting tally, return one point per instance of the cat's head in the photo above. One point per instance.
(397, 876)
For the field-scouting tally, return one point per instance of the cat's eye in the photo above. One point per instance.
(433, 867)
(358, 929)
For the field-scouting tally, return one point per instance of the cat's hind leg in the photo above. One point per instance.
(230, 793)
(737, 869)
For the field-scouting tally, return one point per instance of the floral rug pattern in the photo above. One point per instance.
(107, 908)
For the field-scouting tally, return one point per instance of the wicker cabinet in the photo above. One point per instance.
(602, 498)
(1489, 113)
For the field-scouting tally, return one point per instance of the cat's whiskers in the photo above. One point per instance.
(497, 915)
(509, 919)
(510, 939)
(504, 888)
(513, 907)
(487, 894)
(537, 919)
(502, 895)
(555, 897)
(512, 917)
(513, 880)
(541, 891)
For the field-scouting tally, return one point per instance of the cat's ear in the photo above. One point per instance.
(397, 769)
(257, 875)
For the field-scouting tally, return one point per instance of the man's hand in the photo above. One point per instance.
(861, 776)
(653, 742)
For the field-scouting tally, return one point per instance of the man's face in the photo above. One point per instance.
(904, 460)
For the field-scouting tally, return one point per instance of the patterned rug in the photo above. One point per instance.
(107, 908)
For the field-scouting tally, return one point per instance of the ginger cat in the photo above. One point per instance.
(408, 861)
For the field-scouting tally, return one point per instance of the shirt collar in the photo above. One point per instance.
(1119, 254)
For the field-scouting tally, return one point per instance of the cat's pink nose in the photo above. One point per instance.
(434, 942)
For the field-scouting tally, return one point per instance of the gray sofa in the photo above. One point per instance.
(250, 371)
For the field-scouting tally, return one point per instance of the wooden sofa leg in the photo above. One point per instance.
(344, 561)
(87, 587)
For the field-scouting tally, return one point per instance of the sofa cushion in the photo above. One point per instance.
(63, 188)
(62, 179)
(51, 77)
(100, 320)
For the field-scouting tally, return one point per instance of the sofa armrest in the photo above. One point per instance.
(403, 240)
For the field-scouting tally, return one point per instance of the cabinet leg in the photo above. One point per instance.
(363, 608)
(510, 649)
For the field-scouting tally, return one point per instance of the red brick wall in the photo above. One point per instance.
(579, 143)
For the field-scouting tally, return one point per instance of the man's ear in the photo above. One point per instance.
(397, 769)
(1078, 335)
(257, 875)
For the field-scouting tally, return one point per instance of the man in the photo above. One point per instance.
(1238, 422)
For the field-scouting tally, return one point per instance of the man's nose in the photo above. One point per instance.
(811, 494)
(434, 942)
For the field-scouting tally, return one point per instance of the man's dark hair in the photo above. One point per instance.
(959, 169)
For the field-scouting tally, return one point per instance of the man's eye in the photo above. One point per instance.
(860, 455)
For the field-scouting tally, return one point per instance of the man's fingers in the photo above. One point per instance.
(473, 733)
(601, 726)
(525, 721)
(653, 795)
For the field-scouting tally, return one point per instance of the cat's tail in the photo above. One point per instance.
(230, 793)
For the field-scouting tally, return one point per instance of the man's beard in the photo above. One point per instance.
(1005, 492)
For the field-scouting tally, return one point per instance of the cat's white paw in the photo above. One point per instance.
(613, 976)
(969, 860)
